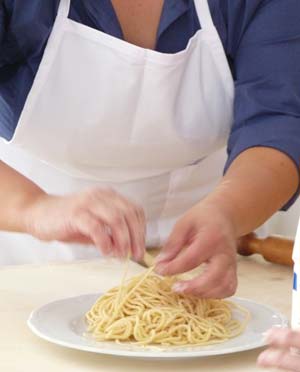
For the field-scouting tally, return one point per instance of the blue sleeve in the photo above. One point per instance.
(2, 22)
(266, 66)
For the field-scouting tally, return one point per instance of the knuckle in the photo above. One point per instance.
(141, 211)
(131, 214)
(87, 198)
(117, 220)
(229, 286)
(94, 227)
(193, 254)
(79, 213)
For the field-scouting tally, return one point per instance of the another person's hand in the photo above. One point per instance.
(204, 234)
(99, 216)
(282, 352)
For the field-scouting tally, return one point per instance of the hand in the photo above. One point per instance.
(279, 354)
(204, 234)
(101, 217)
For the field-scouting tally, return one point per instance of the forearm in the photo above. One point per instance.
(16, 194)
(257, 184)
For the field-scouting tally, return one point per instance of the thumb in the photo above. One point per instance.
(176, 241)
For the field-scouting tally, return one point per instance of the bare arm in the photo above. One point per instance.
(17, 193)
(257, 184)
(97, 216)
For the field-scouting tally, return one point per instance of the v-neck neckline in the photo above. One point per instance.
(172, 10)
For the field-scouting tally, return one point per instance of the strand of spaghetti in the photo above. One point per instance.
(144, 310)
(119, 295)
(148, 272)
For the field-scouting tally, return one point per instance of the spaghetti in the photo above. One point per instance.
(144, 310)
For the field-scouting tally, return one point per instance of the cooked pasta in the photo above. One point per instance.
(144, 310)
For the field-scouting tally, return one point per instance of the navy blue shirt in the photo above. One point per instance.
(261, 39)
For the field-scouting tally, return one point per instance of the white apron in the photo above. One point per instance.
(104, 112)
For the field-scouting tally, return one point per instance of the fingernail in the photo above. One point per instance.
(179, 287)
(162, 256)
(268, 357)
(160, 269)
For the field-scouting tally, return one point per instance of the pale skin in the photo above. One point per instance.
(283, 351)
(258, 183)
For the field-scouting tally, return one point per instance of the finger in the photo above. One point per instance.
(176, 241)
(88, 225)
(203, 247)
(136, 235)
(135, 219)
(186, 260)
(282, 359)
(78, 238)
(218, 280)
(227, 288)
(113, 217)
(283, 337)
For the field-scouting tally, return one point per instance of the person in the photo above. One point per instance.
(115, 116)
(284, 350)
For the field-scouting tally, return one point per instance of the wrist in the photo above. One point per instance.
(226, 207)
(24, 211)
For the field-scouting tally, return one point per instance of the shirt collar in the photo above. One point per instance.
(107, 18)
(172, 10)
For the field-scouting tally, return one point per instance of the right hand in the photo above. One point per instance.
(283, 351)
(101, 217)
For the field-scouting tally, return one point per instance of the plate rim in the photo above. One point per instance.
(144, 353)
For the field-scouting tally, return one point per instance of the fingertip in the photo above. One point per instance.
(161, 269)
(180, 287)
(138, 256)
(161, 258)
(270, 357)
(262, 358)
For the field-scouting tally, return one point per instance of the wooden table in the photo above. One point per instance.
(23, 288)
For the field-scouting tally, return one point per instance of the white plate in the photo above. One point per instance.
(62, 322)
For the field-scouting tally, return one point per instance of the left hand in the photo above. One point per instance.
(205, 234)
(279, 354)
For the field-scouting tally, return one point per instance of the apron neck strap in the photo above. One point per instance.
(64, 9)
(204, 14)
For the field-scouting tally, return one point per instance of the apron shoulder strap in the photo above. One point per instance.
(204, 14)
(64, 9)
